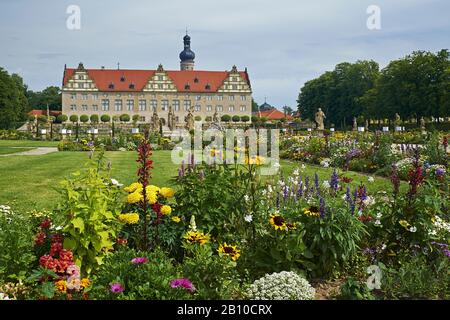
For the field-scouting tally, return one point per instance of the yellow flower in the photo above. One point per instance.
(129, 218)
(278, 222)
(167, 192)
(134, 197)
(258, 160)
(61, 286)
(312, 211)
(152, 197)
(152, 189)
(166, 210)
(176, 219)
(404, 223)
(85, 282)
(193, 237)
(231, 251)
(133, 187)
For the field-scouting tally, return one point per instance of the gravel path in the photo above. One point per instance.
(33, 152)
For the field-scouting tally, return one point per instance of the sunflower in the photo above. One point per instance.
(312, 211)
(193, 237)
(278, 222)
(231, 251)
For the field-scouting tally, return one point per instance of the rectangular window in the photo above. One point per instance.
(243, 108)
(84, 97)
(219, 108)
(187, 105)
(243, 98)
(118, 95)
(154, 105)
(118, 105)
(73, 96)
(84, 107)
(198, 98)
(73, 107)
(142, 105)
(176, 105)
(234, 86)
(94, 107)
(94, 96)
(165, 105)
(220, 98)
(198, 107)
(208, 108)
(160, 78)
(208, 98)
(231, 108)
(130, 105)
(231, 98)
(105, 105)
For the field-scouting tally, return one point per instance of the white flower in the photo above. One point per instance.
(248, 218)
(379, 215)
(281, 183)
(368, 201)
(246, 198)
(371, 179)
(383, 247)
(276, 164)
(4, 296)
(378, 223)
(412, 229)
(303, 167)
(296, 172)
(116, 183)
(326, 184)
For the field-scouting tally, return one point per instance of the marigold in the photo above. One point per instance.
(134, 197)
(152, 197)
(176, 219)
(133, 187)
(167, 192)
(166, 210)
(278, 222)
(193, 237)
(152, 189)
(129, 218)
(85, 282)
(231, 251)
(61, 286)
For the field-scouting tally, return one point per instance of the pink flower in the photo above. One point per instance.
(139, 260)
(184, 283)
(116, 288)
(73, 270)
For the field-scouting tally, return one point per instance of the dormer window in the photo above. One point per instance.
(122, 78)
(207, 87)
(195, 80)
(187, 86)
(111, 86)
(131, 86)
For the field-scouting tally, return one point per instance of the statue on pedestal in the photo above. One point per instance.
(422, 124)
(397, 120)
(319, 117)
(189, 119)
(355, 124)
(155, 121)
(366, 125)
(216, 118)
(171, 119)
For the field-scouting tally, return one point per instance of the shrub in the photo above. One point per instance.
(42, 119)
(61, 118)
(208, 119)
(105, 118)
(225, 118)
(281, 286)
(198, 118)
(255, 119)
(245, 118)
(73, 118)
(236, 118)
(94, 118)
(84, 118)
(135, 118)
(125, 117)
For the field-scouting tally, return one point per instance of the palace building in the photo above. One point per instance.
(141, 92)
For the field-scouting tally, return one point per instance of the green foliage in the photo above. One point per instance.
(353, 289)
(50, 96)
(245, 118)
(434, 150)
(208, 119)
(135, 118)
(236, 118)
(13, 102)
(94, 118)
(73, 118)
(84, 118)
(105, 118)
(198, 118)
(16, 245)
(61, 118)
(124, 117)
(90, 205)
(226, 118)
(145, 281)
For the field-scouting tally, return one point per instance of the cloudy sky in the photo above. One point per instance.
(283, 43)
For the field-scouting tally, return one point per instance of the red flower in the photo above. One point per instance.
(40, 239)
(66, 255)
(57, 238)
(122, 241)
(157, 207)
(47, 262)
(55, 248)
(365, 218)
(46, 223)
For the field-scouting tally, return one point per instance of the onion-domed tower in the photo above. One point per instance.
(187, 56)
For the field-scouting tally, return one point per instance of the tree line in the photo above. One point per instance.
(415, 86)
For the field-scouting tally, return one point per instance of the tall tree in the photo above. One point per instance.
(13, 102)
(39, 99)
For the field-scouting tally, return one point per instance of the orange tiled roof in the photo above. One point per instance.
(36, 112)
(104, 77)
(274, 114)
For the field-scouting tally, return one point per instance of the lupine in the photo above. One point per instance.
(322, 208)
(334, 181)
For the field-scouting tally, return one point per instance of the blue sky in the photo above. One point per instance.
(283, 43)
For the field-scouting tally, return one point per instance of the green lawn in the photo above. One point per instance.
(28, 143)
(28, 182)
(9, 150)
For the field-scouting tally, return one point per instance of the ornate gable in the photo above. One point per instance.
(80, 81)
(234, 83)
(160, 82)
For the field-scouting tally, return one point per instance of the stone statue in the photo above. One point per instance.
(216, 118)
(366, 125)
(422, 124)
(320, 116)
(171, 119)
(397, 120)
(155, 121)
(355, 124)
(189, 119)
